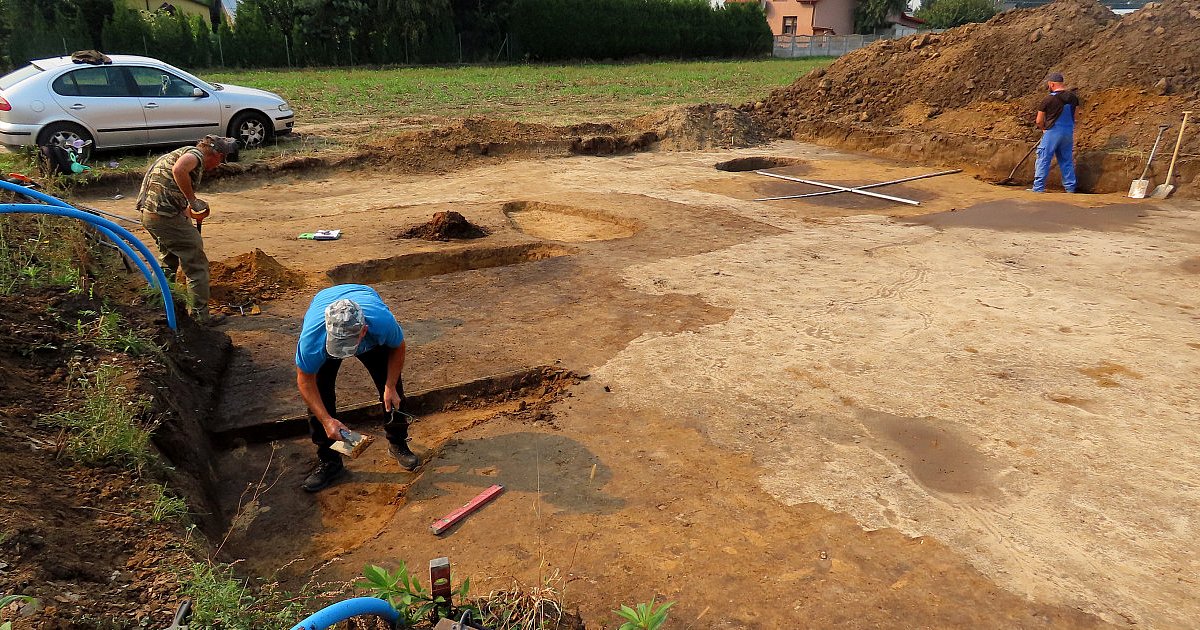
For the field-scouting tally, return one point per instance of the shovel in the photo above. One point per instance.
(1137, 189)
(1008, 181)
(1164, 190)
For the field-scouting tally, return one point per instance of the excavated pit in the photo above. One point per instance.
(426, 264)
(556, 222)
(359, 506)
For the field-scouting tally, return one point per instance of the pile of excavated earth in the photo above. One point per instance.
(969, 94)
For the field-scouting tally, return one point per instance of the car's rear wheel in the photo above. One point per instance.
(65, 134)
(251, 129)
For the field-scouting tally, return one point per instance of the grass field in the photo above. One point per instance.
(531, 93)
(544, 93)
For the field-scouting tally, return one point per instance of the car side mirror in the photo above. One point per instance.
(198, 93)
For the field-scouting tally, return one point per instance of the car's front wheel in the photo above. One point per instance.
(65, 134)
(251, 129)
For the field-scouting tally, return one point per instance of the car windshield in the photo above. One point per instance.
(17, 76)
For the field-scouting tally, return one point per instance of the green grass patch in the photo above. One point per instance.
(39, 251)
(220, 599)
(167, 506)
(106, 329)
(110, 426)
(558, 93)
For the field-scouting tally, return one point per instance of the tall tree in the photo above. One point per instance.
(870, 15)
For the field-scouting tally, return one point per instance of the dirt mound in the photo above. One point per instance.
(443, 227)
(454, 145)
(968, 95)
(251, 277)
(699, 127)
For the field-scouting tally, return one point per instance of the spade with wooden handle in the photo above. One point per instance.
(1137, 189)
(1164, 190)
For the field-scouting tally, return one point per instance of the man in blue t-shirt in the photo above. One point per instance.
(343, 321)
(1056, 119)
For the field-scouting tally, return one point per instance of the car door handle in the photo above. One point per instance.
(78, 106)
(151, 106)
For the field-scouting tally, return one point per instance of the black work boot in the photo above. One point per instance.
(406, 458)
(323, 475)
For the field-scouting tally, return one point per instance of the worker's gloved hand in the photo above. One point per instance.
(198, 209)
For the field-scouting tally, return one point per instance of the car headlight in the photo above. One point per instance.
(283, 107)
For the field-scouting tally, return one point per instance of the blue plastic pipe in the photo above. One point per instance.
(344, 610)
(119, 235)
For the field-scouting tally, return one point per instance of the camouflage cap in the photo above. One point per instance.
(221, 145)
(344, 322)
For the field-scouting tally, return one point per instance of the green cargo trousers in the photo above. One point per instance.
(180, 244)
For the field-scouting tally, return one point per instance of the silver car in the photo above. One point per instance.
(133, 101)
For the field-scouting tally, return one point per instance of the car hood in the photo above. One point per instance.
(245, 94)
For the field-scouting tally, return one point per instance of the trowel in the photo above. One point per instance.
(1137, 189)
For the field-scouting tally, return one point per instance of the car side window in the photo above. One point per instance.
(153, 82)
(95, 81)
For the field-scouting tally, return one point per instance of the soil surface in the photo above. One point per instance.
(968, 96)
(960, 414)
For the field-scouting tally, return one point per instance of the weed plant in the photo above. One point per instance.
(108, 331)
(39, 251)
(110, 426)
(167, 507)
(222, 600)
(645, 617)
(405, 593)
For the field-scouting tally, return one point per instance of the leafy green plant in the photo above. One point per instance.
(645, 617)
(222, 600)
(405, 592)
(110, 426)
(7, 601)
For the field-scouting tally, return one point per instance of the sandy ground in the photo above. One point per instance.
(837, 411)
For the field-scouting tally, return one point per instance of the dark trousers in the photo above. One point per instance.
(376, 362)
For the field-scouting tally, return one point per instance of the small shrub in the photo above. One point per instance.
(645, 617)
(110, 426)
(222, 600)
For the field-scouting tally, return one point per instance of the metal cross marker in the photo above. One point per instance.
(860, 190)
(888, 183)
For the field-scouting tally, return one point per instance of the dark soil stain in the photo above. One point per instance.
(1104, 372)
(1191, 265)
(932, 453)
(1036, 216)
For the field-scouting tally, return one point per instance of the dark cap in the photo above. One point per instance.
(224, 146)
(1054, 77)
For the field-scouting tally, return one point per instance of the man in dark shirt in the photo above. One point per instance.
(1056, 119)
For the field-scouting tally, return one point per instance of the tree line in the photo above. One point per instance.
(282, 33)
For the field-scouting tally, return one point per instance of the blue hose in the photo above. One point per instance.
(344, 610)
(119, 235)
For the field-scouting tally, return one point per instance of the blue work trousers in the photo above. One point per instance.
(1056, 144)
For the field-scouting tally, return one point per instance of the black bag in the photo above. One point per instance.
(56, 159)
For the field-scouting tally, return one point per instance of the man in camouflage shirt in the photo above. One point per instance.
(168, 205)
